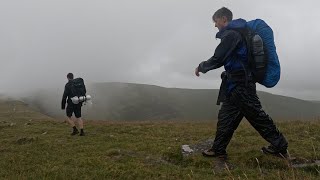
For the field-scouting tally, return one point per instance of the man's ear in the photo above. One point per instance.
(224, 19)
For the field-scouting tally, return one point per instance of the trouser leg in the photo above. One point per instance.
(247, 100)
(229, 119)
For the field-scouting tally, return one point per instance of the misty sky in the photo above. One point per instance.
(156, 42)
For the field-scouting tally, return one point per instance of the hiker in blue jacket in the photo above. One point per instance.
(238, 90)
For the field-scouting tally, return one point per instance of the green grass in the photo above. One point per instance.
(33, 146)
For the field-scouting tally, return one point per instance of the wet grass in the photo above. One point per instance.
(33, 146)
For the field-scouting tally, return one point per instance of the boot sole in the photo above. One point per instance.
(279, 155)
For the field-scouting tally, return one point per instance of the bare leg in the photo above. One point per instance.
(71, 122)
(80, 123)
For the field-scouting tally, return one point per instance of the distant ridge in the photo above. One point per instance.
(139, 102)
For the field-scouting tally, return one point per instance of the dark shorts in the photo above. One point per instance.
(74, 108)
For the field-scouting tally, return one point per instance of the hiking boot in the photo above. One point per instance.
(273, 151)
(74, 132)
(210, 153)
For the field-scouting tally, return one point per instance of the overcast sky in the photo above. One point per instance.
(156, 42)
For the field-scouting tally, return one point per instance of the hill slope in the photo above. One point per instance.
(124, 101)
(33, 146)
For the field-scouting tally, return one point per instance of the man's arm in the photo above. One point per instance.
(227, 45)
(64, 98)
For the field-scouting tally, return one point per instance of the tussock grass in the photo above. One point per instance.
(33, 146)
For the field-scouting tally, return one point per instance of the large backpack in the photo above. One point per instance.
(264, 65)
(77, 87)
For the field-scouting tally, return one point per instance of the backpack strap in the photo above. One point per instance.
(246, 35)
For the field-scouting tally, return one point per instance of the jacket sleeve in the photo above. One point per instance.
(64, 97)
(227, 45)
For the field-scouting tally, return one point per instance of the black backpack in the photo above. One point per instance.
(77, 87)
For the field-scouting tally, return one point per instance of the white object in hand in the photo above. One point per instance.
(77, 100)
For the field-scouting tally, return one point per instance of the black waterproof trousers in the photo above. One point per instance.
(244, 102)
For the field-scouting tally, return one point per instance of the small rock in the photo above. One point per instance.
(44, 133)
(186, 149)
(197, 148)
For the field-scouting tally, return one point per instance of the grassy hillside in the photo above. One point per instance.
(133, 102)
(34, 146)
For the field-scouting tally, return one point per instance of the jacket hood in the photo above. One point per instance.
(234, 24)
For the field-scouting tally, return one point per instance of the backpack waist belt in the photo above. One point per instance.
(239, 76)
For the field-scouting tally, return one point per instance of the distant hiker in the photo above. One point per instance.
(74, 88)
(241, 53)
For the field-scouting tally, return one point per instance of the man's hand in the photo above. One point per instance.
(197, 72)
